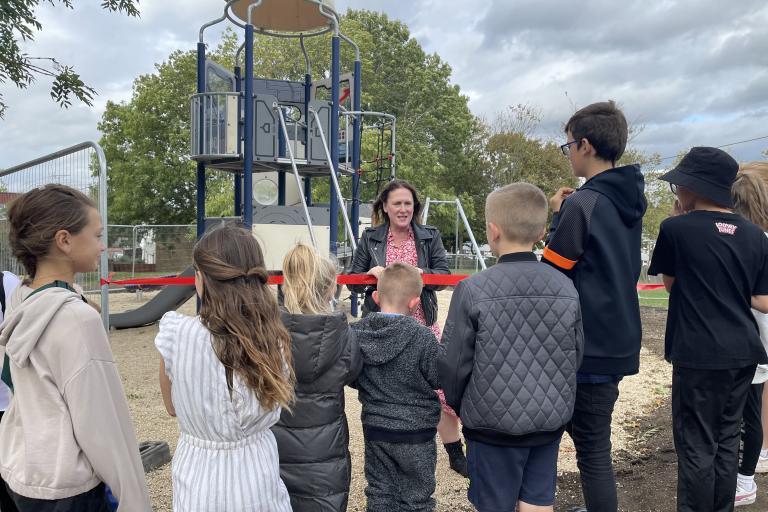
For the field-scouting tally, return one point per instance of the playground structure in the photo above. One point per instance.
(275, 128)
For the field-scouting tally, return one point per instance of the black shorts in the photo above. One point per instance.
(500, 476)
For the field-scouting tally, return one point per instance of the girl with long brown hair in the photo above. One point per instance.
(313, 437)
(225, 374)
(750, 200)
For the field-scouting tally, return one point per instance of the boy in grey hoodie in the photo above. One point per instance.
(396, 388)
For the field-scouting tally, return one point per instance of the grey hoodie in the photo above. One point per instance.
(68, 427)
(396, 386)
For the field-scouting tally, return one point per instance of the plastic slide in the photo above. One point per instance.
(170, 298)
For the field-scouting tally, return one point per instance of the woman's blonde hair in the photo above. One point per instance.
(308, 280)
(242, 315)
(750, 193)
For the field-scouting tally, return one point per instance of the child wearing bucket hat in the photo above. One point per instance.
(713, 263)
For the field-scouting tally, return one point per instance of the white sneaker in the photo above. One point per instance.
(762, 465)
(745, 495)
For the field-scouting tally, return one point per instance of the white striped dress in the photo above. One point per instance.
(226, 459)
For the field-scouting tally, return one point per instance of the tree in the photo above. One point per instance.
(18, 23)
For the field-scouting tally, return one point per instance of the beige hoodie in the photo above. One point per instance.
(68, 427)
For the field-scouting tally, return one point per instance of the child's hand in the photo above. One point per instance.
(556, 201)
(376, 271)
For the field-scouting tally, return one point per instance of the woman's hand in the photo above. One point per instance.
(376, 271)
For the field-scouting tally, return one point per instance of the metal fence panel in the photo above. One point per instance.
(82, 167)
(146, 250)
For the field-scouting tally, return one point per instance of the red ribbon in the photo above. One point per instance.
(644, 287)
(429, 279)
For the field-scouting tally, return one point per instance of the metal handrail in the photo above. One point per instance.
(334, 178)
(279, 111)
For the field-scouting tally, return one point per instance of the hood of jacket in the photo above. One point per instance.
(383, 337)
(317, 342)
(28, 320)
(624, 187)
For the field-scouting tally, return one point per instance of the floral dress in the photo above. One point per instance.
(405, 252)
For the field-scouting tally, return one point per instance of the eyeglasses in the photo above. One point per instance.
(673, 188)
(566, 148)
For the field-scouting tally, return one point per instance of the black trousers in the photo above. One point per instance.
(752, 435)
(590, 429)
(707, 407)
(94, 500)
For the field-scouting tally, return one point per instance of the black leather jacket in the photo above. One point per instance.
(372, 251)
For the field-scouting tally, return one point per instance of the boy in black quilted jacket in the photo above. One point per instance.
(396, 387)
(513, 342)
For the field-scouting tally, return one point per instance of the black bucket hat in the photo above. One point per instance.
(709, 172)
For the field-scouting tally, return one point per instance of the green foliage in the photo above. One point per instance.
(18, 23)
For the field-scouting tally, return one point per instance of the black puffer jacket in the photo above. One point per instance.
(372, 252)
(313, 438)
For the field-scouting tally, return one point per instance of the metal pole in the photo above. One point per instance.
(469, 232)
(200, 165)
(426, 211)
(104, 258)
(296, 174)
(335, 182)
(248, 125)
(238, 177)
(281, 188)
(456, 241)
(133, 254)
(333, 137)
(356, 147)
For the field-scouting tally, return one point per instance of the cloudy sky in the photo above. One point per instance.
(690, 72)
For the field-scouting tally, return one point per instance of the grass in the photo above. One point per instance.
(654, 298)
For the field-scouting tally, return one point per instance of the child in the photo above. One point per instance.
(8, 283)
(713, 263)
(595, 240)
(513, 343)
(396, 387)
(225, 374)
(68, 430)
(750, 200)
(313, 438)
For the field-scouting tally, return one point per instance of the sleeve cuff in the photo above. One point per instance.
(558, 260)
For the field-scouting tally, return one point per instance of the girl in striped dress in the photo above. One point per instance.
(225, 374)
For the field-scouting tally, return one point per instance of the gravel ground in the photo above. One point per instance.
(138, 364)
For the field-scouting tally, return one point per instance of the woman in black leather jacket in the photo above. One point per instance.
(399, 237)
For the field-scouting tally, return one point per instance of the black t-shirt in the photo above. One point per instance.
(719, 261)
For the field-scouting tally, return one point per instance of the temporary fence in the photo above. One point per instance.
(82, 167)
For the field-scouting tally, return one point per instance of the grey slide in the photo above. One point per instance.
(169, 298)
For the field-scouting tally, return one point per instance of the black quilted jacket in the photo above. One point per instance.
(313, 438)
(513, 342)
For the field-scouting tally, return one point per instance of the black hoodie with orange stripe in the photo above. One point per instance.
(595, 240)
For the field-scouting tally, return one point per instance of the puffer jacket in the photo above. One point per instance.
(372, 252)
(513, 343)
(313, 438)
